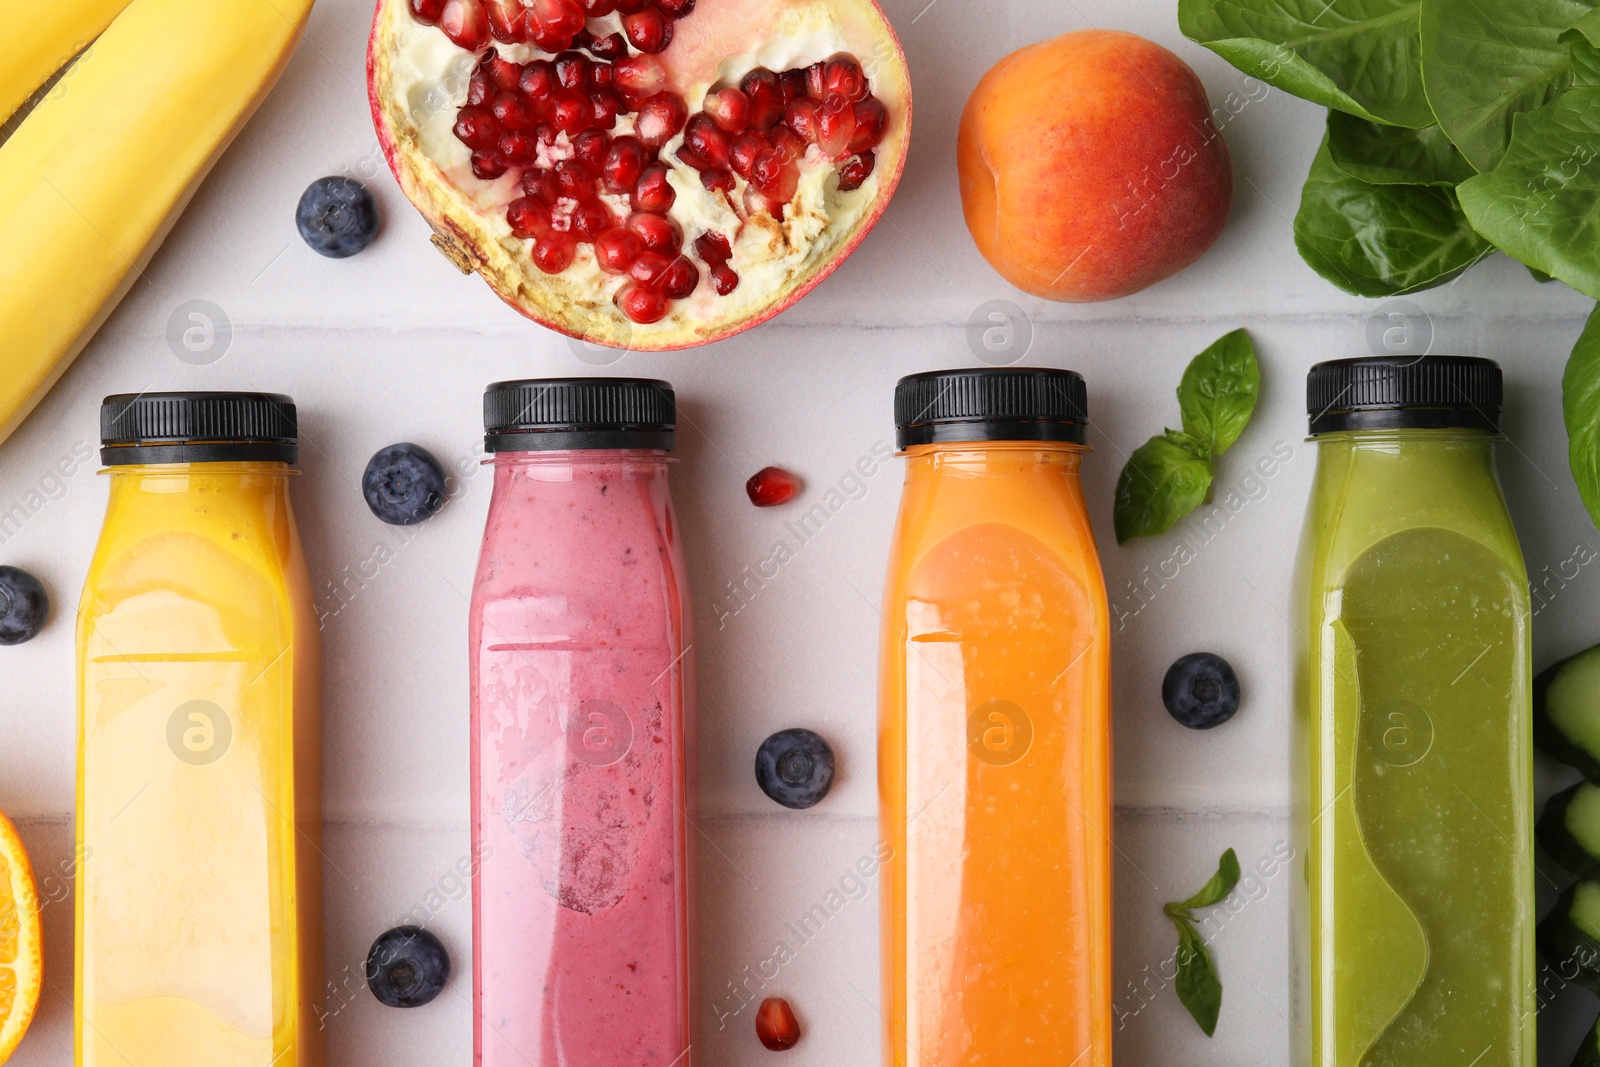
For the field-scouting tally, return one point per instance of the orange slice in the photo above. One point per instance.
(21, 962)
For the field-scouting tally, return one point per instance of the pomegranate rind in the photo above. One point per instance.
(469, 234)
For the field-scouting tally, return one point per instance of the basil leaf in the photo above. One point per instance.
(1381, 240)
(1580, 408)
(1359, 56)
(1197, 984)
(1394, 155)
(1541, 202)
(1161, 483)
(1218, 392)
(1483, 63)
(1221, 884)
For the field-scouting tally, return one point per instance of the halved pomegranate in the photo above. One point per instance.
(650, 174)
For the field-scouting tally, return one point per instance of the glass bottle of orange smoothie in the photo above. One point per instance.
(994, 732)
(198, 925)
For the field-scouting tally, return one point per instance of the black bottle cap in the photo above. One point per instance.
(542, 414)
(1404, 392)
(198, 428)
(993, 404)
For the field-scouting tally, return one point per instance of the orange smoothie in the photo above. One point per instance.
(198, 940)
(994, 746)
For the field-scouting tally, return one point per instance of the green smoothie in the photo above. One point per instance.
(1416, 923)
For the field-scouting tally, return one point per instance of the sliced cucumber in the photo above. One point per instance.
(1569, 937)
(1566, 712)
(1589, 1051)
(1569, 829)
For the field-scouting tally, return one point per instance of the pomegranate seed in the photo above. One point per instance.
(591, 146)
(639, 77)
(501, 71)
(538, 80)
(775, 177)
(480, 90)
(729, 109)
(427, 10)
(648, 267)
(717, 180)
(872, 118)
(660, 118)
(598, 9)
(624, 162)
(680, 279)
(590, 219)
(488, 165)
(507, 21)
(643, 304)
(631, 7)
(814, 80)
(653, 192)
(575, 178)
(724, 279)
(713, 248)
(648, 30)
(571, 111)
(476, 128)
(604, 106)
(466, 23)
(540, 183)
(554, 22)
(572, 70)
(513, 111)
(528, 216)
(553, 252)
(692, 158)
(517, 149)
(856, 170)
(616, 249)
(675, 8)
(658, 232)
(801, 117)
(793, 83)
(776, 1025)
(843, 75)
(546, 134)
(746, 147)
(788, 143)
(836, 124)
(765, 94)
(600, 73)
(611, 46)
(756, 202)
(708, 140)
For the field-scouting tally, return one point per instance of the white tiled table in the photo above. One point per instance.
(394, 345)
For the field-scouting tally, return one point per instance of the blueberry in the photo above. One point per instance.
(24, 606)
(337, 217)
(795, 768)
(407, 967)
(403, 484)
(1201, 690)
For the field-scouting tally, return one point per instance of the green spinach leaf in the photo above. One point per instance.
(1580, 409)
(1360, 56)
(1542, 203)
(1381, 240)
(1161, 483)
(1218, 392)
(1221, 884)
(1198, 987)
(1394, 155)
(1483, 63)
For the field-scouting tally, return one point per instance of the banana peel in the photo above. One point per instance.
(94, 178)
(41, 38)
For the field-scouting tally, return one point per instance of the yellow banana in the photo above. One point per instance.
(41, 37)
(93, 179)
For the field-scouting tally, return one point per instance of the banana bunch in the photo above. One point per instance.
(94, 177)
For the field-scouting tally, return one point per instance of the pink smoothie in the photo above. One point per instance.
(581, 761)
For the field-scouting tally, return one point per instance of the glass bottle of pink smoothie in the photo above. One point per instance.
(582, 733)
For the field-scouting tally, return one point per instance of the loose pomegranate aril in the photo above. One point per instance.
(427, 10)
(746, 147)
(466, 23)
(776, 1025)
(572, 70)
(801, 117)
(648, 267)
(836, 124)
(624, 162)
(723, 279)
(653, 192)
(729, 109)
(765, 93)
(692, 158)
(717, 180)
(680, 279)
(528, 216)
(648, 30)
(575, 178)
(476, 128)
(639, 77)
(616, 249)
(872, 119)
(590, 219)
(794, 85)
(643, 304)
(538, 80)
(708, 140)
(571, 111)
(540, 183)
(676, 8)
(713, 248)
(488, 165)
(513, 111)
(843, 75)
(517, 149)
(553, 252)
(554, 23)
(856, 169)
(660, 118)
(592, 146)
(658, 232)
(611, 46)
(605, 105)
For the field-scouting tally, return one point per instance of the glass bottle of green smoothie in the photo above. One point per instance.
(1415, 927)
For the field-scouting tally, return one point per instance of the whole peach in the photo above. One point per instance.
(1091, 167)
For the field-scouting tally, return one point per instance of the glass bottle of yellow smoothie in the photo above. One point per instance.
(198, 926)
(1415, 930)
(994, 763)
